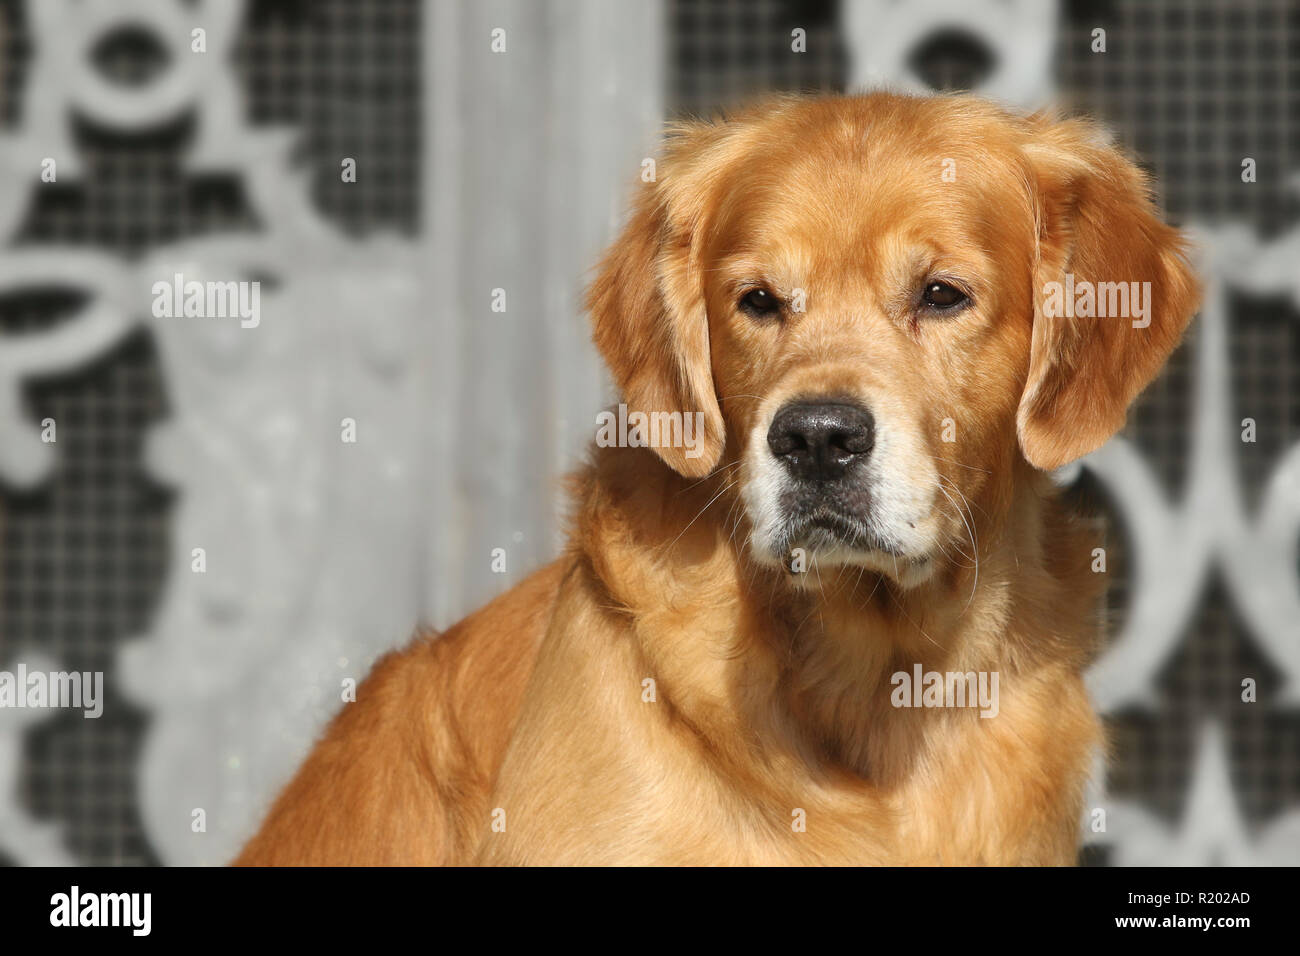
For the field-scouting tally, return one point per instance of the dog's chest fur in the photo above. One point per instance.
(716, 713)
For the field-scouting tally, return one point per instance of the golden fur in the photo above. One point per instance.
(772, 690)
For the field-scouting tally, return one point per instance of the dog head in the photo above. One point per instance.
(877, 308)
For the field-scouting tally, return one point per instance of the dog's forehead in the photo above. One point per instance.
(838, 217)
(830, 182)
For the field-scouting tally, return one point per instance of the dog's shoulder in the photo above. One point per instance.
(403, 773)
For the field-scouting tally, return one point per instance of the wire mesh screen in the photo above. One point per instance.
(1192, 88)
(84, 555)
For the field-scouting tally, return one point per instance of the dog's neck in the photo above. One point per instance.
(811, 657)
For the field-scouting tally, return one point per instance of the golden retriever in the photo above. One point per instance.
(835, 612)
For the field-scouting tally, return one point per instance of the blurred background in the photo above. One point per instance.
(421, 189)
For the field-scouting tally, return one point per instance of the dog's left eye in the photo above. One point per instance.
(759, 303)
(942, 296)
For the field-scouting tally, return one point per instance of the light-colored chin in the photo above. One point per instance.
(823, 556)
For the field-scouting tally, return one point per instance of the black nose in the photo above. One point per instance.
(820, 440)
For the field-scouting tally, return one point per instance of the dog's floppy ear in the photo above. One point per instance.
(1102, 249)
(647, 303)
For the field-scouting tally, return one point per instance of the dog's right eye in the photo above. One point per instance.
(760, 304)
(943, 296)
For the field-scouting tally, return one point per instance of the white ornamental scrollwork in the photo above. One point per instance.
(302, 531)
(1173, 547)
(885, 34)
